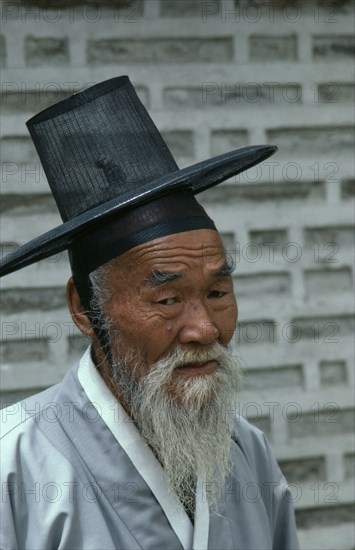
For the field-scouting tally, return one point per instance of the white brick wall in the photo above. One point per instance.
(214, 75)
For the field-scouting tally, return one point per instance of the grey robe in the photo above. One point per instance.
(68, 483)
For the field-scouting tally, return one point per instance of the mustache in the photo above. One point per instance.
(181, 357)
(163, 370)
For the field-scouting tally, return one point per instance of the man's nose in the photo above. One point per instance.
(198, 325)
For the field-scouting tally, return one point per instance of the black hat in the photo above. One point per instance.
(103, 157)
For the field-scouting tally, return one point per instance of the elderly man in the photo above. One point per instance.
(139, 446)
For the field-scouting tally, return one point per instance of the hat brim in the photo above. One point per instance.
(197, 177)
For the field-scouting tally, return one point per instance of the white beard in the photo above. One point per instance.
(186, 420)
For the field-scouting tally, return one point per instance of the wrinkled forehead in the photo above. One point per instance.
(201, 248)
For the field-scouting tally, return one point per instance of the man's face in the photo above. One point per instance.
(174, 292)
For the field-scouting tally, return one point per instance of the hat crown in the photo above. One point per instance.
(98, 144)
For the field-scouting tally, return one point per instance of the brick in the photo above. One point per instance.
(2, 51)
(222, 94)
(347, 189)
(255, 332)
(180, 142)
(27, 299)
(27, 204)
(265, 284)
(336, 92)
(160, 50)
(342, 8)
(10, 9)
(272, 377)
(14, 173)
(16, 351)
(30, 102)
(333, 48)
(226, 140)
(323, 281)
(320, 329)
(343, 236)
(332, 9)
(229, 241)
(332, 373)
(303, 141)
(256, 193)
(264, 238)
(349, 465)
(53, 4)
(327, 10)
(255, 10)
(325, 517)
(188, 8)
(18, 149)
(270, 246)
(53, 11)
(280, 7)
(273, 48)
(188, 98)
(330, 422)
(301, 470)
(46, 51)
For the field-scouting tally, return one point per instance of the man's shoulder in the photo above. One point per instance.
(18, 417)
(34, 444)
(256, 449)
(243, 429)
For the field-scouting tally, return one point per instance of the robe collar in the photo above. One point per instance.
(128, 436)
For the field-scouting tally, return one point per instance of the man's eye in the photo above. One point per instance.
(167, 302)
(217, 294)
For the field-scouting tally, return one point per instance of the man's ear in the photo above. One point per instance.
(77, 310)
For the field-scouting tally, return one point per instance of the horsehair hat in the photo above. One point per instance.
(104, 157)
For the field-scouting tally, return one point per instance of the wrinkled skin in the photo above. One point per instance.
(193, 310)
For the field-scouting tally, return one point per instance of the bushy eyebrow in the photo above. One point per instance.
(227, 268)
(159, 278)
